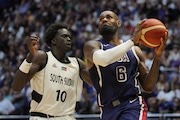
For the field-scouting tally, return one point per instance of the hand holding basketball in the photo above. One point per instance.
(152, 33)
(137, 32)
(160, 48)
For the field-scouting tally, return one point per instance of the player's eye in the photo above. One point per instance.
(66, 36)
(100, 19)
(109, 17)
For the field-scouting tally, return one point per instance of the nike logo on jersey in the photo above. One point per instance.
(105, 45)
(124, 58)
(131, 101)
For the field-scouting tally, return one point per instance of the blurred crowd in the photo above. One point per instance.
(21, 18)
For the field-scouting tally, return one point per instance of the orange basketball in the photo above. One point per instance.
(152, 32)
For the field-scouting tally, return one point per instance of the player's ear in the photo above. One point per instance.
(53, 41)
(118, 23)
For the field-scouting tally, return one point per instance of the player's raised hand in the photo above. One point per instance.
(137, 32)
(33, 44)
(159, 49)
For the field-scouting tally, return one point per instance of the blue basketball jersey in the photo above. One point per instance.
(117, 80)
(118, 92)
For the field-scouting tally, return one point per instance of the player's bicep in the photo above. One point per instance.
(34, 68)
(38, 63)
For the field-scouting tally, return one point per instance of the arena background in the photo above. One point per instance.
(20, 18)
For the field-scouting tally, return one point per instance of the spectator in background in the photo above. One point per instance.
(176, 105)
(177, 98)
(175, 82)
(174, 56)
(6, 106)
(85, 104)
(153, 106)
(177, 90)
(165, 63)
(21, 101)
(165, 99)
(19, 18)
(174, 72)
(161, 82)
(149, 59)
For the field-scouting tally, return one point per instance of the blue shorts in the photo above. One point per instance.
(132, 109)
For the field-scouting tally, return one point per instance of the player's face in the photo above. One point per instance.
(63, 38)
(108, 23)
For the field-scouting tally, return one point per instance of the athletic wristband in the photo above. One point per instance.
(25, 66)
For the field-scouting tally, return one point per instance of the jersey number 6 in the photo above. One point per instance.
(121, 74)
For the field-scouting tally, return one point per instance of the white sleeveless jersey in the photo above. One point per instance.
(60, 86)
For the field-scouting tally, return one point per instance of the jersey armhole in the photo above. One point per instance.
(44, 64)
(79, 68)
(133, 50)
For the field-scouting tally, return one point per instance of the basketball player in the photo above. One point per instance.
(56, 79)
(116, 67)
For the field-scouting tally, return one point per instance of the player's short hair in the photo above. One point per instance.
(51, 32)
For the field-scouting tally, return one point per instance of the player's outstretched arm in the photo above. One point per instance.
(105, 57)
(84, 72)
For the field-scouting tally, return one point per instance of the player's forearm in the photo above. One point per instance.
(20, 78)
(29, 58)
(152, 76)
(19, 81)
(106, 57)
(86, 77)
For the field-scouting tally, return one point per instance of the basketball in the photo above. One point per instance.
(153, 30)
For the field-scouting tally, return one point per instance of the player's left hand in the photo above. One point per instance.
(160, 48)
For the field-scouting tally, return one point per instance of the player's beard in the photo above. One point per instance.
(106, 30)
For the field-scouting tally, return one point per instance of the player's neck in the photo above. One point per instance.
(61, 57)
(112, 40)
(115, 42)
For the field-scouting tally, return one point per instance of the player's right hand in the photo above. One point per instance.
(137, 32)
(33, 44)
